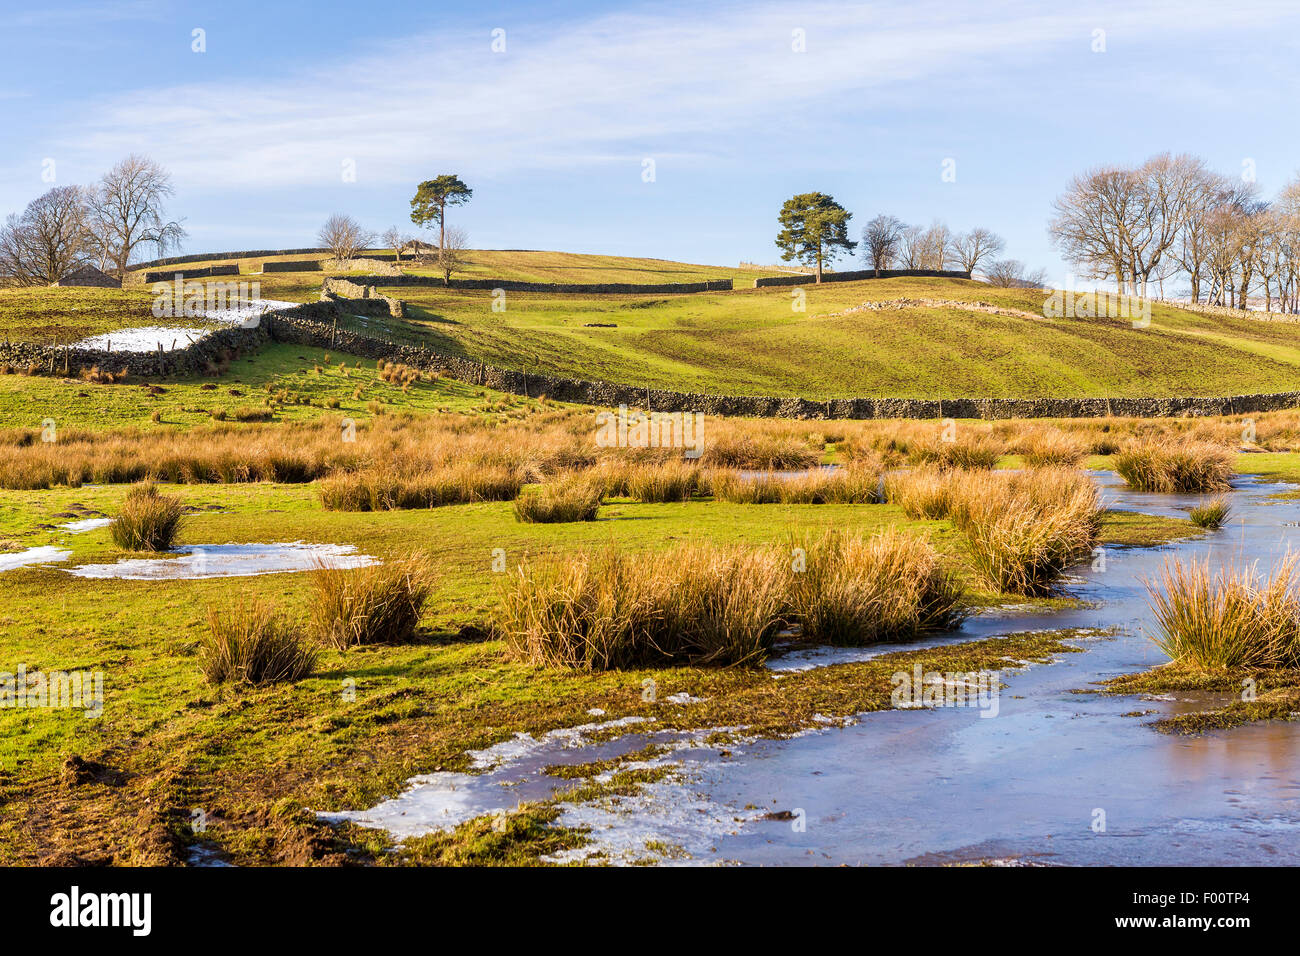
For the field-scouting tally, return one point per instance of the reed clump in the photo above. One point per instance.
(1212, 514)
(853, 484)
(691, 604)
(860, 590)
(249, 644)
(1183, 465)
(573, 498)
(148, 520)
(1230, 618)
(377, 604)
(386, 490)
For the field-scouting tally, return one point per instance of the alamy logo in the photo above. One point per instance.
(67, 690)
(180, 299)
(1098, 304)
(74, 908)
(656, 430)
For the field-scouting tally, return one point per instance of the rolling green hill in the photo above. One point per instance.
(756, 342)
(753, 342)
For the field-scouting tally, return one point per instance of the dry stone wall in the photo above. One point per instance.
(511, 285)
(862, 274)
(171, 275)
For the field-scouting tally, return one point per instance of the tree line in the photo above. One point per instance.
(105, 224)
(814, 232)
(1172, 218)
(344, 236)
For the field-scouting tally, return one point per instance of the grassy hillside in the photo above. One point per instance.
(531, 265)
(753, 342)
(290, 383)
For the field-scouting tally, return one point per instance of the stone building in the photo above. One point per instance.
(88, 275)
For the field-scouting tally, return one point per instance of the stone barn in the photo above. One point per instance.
(89, 276)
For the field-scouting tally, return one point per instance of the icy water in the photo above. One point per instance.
(148, 338)
(1055, 777)
(193, 562)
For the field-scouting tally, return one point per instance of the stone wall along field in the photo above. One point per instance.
(293, 265)
(511, 285)
(862, 274)
(171, 275)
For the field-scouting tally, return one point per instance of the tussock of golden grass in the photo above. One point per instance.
(1051, 448)
(1175, 466)
(1211, 514)
(379, 604)
(858, 590)
(97, 376)
(921, 493)
(250, 645)
(691, 604)
(1024, 533)
(666, 481)
(761, 451)
(398, 374)
(575, 498)
(390, 491)
(849, 485)
(1234, 617)
(148, 521)
(980, 451)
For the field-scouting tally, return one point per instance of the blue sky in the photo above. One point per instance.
(552, 133)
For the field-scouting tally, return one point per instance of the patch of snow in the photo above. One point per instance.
(21, 559)
(86, 524)
(229, 561)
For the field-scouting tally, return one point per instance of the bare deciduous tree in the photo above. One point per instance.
(451, 254)
(971, 248)
(1010, 273)
(935, 247)
(49, 239)
(392, 239)
(880, 239)
(343, 236)
(127, 211)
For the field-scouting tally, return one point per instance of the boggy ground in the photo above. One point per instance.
(173, 762)
(167, 744)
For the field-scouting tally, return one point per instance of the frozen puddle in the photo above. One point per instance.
(86, 524)
(147, 338)
(668, 811)
(21, 559)
(229, 561)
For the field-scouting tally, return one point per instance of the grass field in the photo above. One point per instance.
(296, 382)
(180, 744)
(65, 316)
(752, 342)
(251, 759)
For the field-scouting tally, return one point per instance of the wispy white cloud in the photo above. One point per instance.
(682, 80)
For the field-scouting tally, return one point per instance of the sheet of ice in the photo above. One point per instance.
(249, 312)
(246, 313)
(86, 524)
(21, 559)
(511, 772)
(229, 561)
(144, 339)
